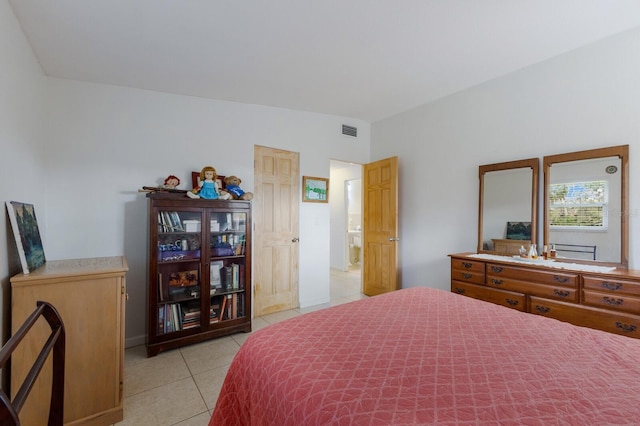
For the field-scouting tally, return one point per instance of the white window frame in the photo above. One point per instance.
(604, 205)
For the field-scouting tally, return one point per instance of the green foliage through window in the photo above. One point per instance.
(578, 204)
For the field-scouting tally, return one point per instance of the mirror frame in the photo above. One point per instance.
(620, 151)
(534, 165)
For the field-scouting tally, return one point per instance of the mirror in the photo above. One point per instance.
(586, 205)
(508, 204)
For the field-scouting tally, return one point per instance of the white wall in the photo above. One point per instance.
(21, 154)
(104, 143)
(505, 201)
(588, 98)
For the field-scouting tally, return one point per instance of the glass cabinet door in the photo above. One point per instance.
(179, 273)
(227, 245)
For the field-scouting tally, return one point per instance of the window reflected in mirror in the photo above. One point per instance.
(585, 198)
(584, 209)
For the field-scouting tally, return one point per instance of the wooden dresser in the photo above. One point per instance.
(89, 295)
(608, 301)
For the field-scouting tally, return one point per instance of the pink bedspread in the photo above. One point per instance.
(425, 356)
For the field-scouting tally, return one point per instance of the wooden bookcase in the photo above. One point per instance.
(199, 282)
(89, 294)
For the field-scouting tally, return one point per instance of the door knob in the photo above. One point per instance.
(394, 239)
(295, 240)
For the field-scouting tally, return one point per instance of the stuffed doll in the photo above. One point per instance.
(171, 182)
(208, 188)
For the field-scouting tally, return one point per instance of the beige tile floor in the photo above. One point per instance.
(180, 387)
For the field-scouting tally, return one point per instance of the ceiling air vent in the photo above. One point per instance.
(350, 131)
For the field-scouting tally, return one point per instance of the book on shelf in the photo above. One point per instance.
(234, 305)
(169, 221)
(240, 305)
(168, 318)
(165, 220)
(175, 317)
(228, 277)
(160, 292)
(190, 317)
(161, 323)
(241, 276)
(175, 221)
(229, 306)
(223, 309)
(191, 322)
(233, 276)
(227, 311)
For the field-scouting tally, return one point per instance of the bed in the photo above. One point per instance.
(427, 356)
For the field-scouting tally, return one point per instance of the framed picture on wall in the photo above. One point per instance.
(315, 189)
(27, 235)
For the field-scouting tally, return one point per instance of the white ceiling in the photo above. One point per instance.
(366, 59)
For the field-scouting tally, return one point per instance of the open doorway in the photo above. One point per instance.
(345, 202)
(353, 190)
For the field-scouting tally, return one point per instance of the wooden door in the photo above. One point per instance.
(275, 203)
(380, 230)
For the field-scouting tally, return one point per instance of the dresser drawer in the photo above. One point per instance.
(601, 319)
(619, 302)
(499, 297)
(542, 290)
(565, 279)
(468, 276)
(467, 265)
(611, 285)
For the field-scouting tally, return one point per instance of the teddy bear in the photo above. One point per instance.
(232, 187)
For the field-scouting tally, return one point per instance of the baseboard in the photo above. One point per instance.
(135, 341)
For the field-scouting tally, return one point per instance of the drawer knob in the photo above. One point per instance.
(611, 286)
(497, 269)
(466, 265)
(466, 276)
(542, 309)
(626, 327)
(512, 302)
(612, 301)
(496, 282)
(561, 293)
(458, 290)
(560, 279)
